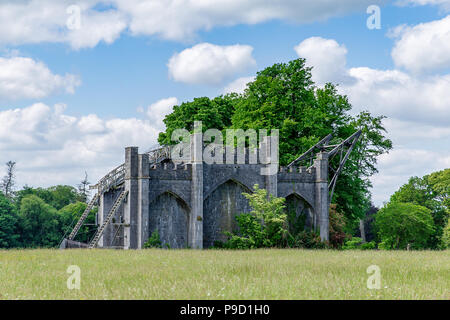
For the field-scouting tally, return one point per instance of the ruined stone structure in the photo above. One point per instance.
(191, 203)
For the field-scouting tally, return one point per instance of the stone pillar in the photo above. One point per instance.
(195, 236)
(143, 204)
(106, 202)
(321, 195)
(131, 201)
(100, 216)
(269, 156)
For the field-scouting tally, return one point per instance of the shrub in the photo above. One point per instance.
(368, 245)
(154, 241)
(337, 227)
(265, 226)
(353, 243)
(308, 240)
(357, 243)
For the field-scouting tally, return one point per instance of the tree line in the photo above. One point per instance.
(40, 217)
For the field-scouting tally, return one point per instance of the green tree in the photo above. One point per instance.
(265, 226)
(8, 181)
(38, 223)
(431, 191)
(9, 236)
(399, 224)
(70, 214)
(214, 113)
(56, 196)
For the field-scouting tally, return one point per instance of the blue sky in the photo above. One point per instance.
(90, 90)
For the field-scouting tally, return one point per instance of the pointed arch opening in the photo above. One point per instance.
(169, 215)
(220, 209)
(299, 212)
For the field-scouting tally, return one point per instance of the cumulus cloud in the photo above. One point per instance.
(158, 110)
(206, 63)
(36, 21)
(182, 19)
(424, 47)
(238, 85)
(326, 56)
(22, 77)
(396, 167)
(52, 147)
(400, 95)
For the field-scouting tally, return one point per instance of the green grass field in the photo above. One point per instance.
(215, 274)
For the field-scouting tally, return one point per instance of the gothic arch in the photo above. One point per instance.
(173, 193)
(300, 212)
(220, 209)
(169, 215)
(248, 189)
(299, 195)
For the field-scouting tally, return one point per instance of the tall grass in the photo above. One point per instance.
(216, 274)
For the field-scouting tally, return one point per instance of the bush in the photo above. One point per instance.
(399, 224)
(265, 226)
(357, 243)
(337, 227)
(154, 241)
(368, 245)
(307, 240)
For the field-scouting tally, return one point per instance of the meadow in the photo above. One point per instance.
(220, 274)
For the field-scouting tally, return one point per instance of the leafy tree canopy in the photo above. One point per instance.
(70, 214)
(56, 196)
(431, 191)
(400, 224)
(9, 236)
(284, 97)
(38, 222)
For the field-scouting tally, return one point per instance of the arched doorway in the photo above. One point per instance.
(169, 215)
(299, 213)
(220, 209)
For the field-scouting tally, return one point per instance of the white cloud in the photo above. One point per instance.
(399, 95)
(326, 56)
(181, 19)
(424, 47)
(238, 85)
(35, 21)
(206, 63)
(26, 78)
(97, 27)
(158, 110)
(51, 147)
(396, 167)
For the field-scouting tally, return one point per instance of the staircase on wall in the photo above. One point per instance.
(111, 213)
(114, 179)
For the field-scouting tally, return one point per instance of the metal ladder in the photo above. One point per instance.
(83, 217)
(108, 218)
